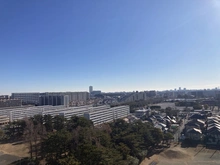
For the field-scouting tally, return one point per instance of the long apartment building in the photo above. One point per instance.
(10, 102)
(98, 115)
(80, 111)
(50, 98)
(107, 115)
(27, 98)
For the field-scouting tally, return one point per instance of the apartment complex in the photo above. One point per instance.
(140, 96)
(54, 100)
(10, 102)
(98, 115)
(50, 98)
(107, 115)
(27, 98)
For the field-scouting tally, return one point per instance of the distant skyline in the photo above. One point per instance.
(125, 45)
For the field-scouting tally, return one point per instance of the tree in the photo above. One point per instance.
(21, 124)
(76, 121)
(197, 107)
(206, 106)
(124, 150)
(167, 137)
(48, 122)
(168, 111)
(2, 134)
(157, 135)
(29, 135)
(94, 155)
(69, 160)
(56, 146)
(59, 122)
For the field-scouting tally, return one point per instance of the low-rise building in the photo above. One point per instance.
(4, 119)
(194, 134)
(10, 102)
(213, 131)
(142, 112)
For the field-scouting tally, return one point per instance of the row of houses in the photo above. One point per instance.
(161, 121)
(213, 131)
(203, 128)
(194, 129)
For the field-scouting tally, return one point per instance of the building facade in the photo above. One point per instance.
(10, 102)
(54, 100)
(107, 115)
(27, 98)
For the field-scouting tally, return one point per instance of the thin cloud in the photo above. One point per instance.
(216, 3)
(183, 23)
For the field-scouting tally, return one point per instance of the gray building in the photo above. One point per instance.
(10, 102)
(27, 98)
(54, 99)
(90, 89)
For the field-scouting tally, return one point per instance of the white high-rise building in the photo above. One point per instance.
(90, 89)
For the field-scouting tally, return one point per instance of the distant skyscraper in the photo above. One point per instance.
(179, 88)
(90, 89)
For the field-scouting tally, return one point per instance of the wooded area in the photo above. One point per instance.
(78, 142)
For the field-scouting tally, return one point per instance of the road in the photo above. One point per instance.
(180, 129)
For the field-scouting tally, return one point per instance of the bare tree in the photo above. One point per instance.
(29, 134)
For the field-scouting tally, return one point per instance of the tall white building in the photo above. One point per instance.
(90, 89)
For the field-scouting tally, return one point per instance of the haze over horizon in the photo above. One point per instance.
(113, 45)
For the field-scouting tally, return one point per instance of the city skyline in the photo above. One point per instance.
(134, 90)
(113, 45)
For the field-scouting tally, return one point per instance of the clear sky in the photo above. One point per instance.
(114, 45)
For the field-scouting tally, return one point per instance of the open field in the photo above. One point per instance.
(176, 155)
(11, 152)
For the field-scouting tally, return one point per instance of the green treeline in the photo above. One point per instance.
(58, 141)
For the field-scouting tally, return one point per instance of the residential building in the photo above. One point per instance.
(4, 119)
(213, 131)
(10, 102)
(194, 134)
(27, 98)
(142, 112)
(107, 115)
(98, 115)
(4, 97)
(54, 100)
(97, 92)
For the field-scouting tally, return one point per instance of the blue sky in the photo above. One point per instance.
(114, 45)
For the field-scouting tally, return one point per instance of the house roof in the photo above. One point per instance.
(196, 121)
(163, 125)
(213, 118)
(197, 116)
(214, 124)
(214, 131)
(212, 121)
(194, 130)
(173, 121)
(200, 121)
(212, 128)
(193, 124)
